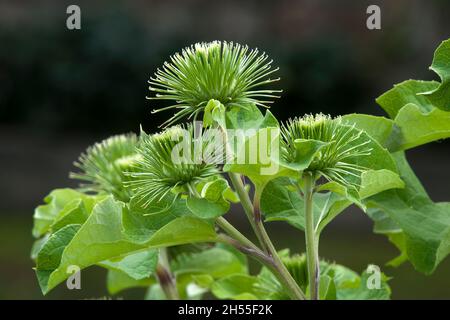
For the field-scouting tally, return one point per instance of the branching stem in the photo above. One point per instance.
(312, 256)
(165, 277)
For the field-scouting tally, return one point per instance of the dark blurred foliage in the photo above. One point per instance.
(94, 80)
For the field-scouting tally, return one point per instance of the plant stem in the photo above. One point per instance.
(272, 261)
(253, 252)
(254, 215)
(246, 203)
(165, 277)
(312, 257)
(281, 272)
(225, 225)
(234, 233)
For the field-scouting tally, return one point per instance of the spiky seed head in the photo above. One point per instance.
(103, 165)
(335, 161)
(228, 72)
(159, 171)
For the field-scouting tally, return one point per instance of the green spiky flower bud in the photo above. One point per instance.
(103, 165)
(163, 169)
(343, 145)
(227, 72)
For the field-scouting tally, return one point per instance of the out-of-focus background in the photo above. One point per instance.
(62, 90)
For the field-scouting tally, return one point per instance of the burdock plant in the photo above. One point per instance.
(153, 209)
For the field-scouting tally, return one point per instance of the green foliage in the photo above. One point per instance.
(151, 219)
(440, 96)
(212, 203)
(138, 266)
(424, 223)
(63, 206)
(102, 238)
(337, 283)
(281, 200)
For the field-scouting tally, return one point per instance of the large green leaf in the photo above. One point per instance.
(237, 287)
(216, 262)
(337, 282)
(404, 93)
(102, 238)
(306, 151)
(258, 159)
(440, 96)
(425, 224)
(281, 201)
(117, 281)
(137, 265)
(379, 128)
(63, 206)
(139, 224)
(358, 289)
(49, 257)
(420, 109)
(195, 272)
(249, 117)
(249, 127)
(416, 127)
(212, 203)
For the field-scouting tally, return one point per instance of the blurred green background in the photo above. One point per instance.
(62, 90)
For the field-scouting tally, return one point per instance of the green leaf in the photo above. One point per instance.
(74, 212)
(236, 287)
(138, 265)
(399, 240)
(327, 288)
(281, 201)
(249, 117)
(214, 111)
(216, 262)
(101, 238)
(306, 151)
(183, 230)
(98, 239)
(155, 292)
(250, 159)
(358, 289)
(54, 210)
(440, 96)
(195, 272)
(425, 224)
(337, 282)
(212, 203)
(49, 256)
(117, 281)
(417, 120)
(404, 93)
(205, 209)
(416, 127)
(379, 128)
(139, 224)
(376, 181)
(37, 246)
(213, 190)
(258, 158)
(383, 224)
